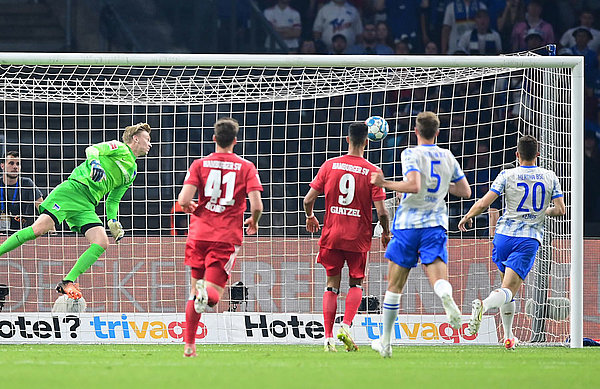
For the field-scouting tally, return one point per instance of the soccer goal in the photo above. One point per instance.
(294, 112)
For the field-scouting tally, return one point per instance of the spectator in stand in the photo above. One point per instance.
(481, 40)
(402, 48)
(534, 39)
(369, 43)
(513, 12)
(286, 22)
(338, 44)
(586, 20)
(532, 20)
(431, 48)
(337, 17)
(308, 47)
(403, 19)
(582, 37)
(458, 18)
(383, 34)
(432, 15)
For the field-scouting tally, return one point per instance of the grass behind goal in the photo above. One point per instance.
(270, 366)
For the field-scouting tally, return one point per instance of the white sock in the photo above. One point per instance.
(497, 298)
(507, 313)
(442, 288)
(391, 306)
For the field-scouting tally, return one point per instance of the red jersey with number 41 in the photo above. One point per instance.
(349, 194)
(223, 181)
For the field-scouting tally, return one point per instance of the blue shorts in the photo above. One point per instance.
(408, 246)
(515, 253)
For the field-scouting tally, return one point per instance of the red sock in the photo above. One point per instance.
(352, 303)
(191, 323)
(213, 296)
(329, 309)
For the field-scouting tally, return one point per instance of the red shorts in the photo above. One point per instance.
(333, 262)
(211, 261)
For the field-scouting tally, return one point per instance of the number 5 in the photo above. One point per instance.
(436, 176)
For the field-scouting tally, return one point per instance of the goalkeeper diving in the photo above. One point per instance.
(109, 170)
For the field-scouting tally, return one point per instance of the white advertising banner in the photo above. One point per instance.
(228, 327)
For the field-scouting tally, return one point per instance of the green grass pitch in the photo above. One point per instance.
(273, 366)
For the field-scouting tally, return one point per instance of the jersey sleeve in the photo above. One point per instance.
(113, 199)
(253, 179)
(457, 173)
(318, 183)
(192, 176)
(104, 148)
(409, 162)
(556, 189)
(499, 183)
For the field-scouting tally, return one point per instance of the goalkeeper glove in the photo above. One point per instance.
(97, 172)
(116, 229)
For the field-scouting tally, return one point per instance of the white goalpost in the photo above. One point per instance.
(293, 112)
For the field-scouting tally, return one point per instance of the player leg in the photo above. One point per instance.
(513, 282)
(41, 226)
(356, 268)
(194, 258)
(219, 259)
(332, 261)
(434, 256)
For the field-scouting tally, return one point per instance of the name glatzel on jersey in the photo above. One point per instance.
(350, 168)
(225, 165)
(344, 211)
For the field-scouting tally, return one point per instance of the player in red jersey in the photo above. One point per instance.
(222, 181)
(347, 231)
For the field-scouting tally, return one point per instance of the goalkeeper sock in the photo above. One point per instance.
(213, 296)
(84, 262)
(391, 306)
(192, 318)
(329, 310)
(507, 313)
(442, 288)
(497, 298)
(352, 303)
(17, 239)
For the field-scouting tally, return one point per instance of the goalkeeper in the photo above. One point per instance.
(109, 168)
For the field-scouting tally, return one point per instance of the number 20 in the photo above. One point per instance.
(534, 191)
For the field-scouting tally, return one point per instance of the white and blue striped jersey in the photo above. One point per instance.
(528, 191)
(427, 208)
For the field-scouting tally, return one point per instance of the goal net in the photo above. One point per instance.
(294, 112)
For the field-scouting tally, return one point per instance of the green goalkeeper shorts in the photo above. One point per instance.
(69, 202)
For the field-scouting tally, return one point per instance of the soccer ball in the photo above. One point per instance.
(378, 128)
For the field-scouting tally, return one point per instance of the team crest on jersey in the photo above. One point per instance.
(56, 206)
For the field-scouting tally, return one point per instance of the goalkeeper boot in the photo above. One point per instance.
(344, 336)
(452, 311)
(189, 351)
(330, 345)
(69, 288)
(201, 301)
(511, 343)
(384, 351)
(476, 316)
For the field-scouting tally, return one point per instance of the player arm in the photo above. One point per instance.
(477, 209)
(460, 188)
(185, 198)
(112, 201)
(411, 183)
(256, 208)
(312, 223)
(558, 209)
(384, 221)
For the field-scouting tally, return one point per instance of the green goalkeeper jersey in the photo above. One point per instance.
(118, 162)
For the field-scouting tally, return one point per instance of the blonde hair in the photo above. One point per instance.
(428, 124)
(135, 129)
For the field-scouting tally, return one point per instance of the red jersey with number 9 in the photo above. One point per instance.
(349, 194)
(223, 181)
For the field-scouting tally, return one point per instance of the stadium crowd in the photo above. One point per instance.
(454, 27)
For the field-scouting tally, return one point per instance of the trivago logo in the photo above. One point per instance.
(128, 329)
(417, 331)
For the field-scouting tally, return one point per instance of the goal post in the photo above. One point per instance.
(293, 111)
